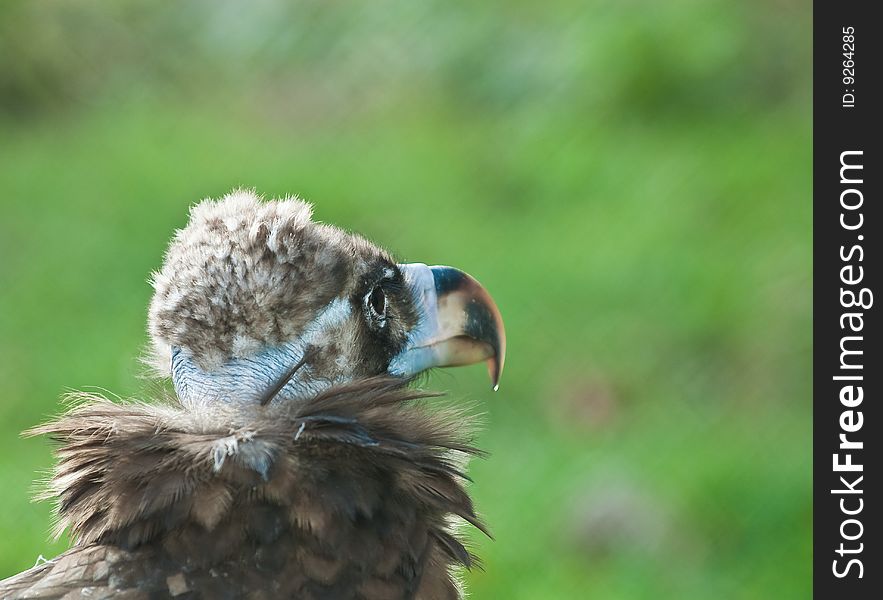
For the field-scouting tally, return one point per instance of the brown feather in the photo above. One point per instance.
(346, 495)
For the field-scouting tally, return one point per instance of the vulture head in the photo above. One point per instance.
(257, 303)
(296, 459)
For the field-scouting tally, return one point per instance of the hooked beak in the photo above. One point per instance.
(458, 323)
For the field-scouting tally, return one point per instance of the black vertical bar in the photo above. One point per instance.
(848, 374)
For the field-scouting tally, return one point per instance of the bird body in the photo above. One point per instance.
(346, 496)
(295, 459)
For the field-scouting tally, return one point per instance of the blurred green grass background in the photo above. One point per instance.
(630, 180)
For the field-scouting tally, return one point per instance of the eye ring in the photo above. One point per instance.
(375, 300)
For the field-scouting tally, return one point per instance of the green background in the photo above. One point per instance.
(630, 180)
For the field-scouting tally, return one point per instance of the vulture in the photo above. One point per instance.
(296, 456)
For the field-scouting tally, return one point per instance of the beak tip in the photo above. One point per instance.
(495, 370)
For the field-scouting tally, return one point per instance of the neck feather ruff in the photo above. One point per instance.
(351, 494)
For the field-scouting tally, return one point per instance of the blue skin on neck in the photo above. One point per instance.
(242, 380)
(246, 380)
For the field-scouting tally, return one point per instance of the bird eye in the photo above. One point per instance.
(377, 302)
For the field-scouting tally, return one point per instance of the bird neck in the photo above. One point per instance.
(245, 379)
